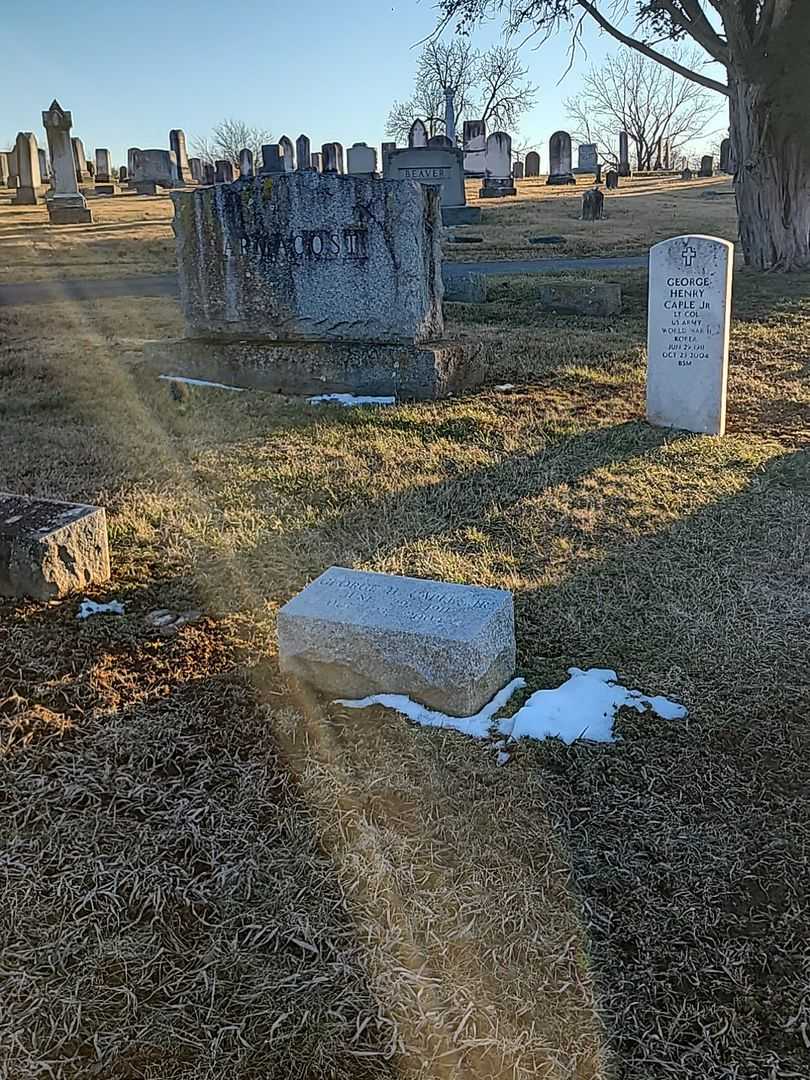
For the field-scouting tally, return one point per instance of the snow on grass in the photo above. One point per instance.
(350, 399)
(584, 707)
(478, 726)
(90, 607)
(202, 382)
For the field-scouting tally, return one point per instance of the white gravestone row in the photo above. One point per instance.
(689, 313)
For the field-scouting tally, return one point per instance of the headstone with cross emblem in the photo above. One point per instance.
(689, 311)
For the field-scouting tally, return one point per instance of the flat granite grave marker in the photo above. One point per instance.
(689, 312)
(352, 633)
(50, 548)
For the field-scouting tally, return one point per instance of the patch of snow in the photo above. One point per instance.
(584, 707)
(478, 726)
(90, 607)
(202, 382)
(350, 399)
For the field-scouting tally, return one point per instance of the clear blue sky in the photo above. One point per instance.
(130, 72)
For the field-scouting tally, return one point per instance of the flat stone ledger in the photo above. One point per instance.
(352, 634)
(425, 372)
(310, 257)
(580, 298)
(48, 548)
(689, 315)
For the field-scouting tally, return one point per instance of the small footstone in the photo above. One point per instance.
(49, 548)
(465, 240)
(547, 240)
(352, 634)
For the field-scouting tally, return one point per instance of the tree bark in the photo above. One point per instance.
(772, 182)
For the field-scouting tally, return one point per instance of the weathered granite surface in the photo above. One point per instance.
(467, 288)
(306, 256)
(352, 633)
(424, 372)
(49, 548)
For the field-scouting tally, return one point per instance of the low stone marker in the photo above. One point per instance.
(593, 205)
(689, 313)
(598, 298)
(50, 548)
(466, 288)
(352, 633)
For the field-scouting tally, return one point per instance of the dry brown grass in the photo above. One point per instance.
(211, 876)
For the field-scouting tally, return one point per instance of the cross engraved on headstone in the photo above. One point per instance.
(689, 254)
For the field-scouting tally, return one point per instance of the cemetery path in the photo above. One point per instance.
(36, 292)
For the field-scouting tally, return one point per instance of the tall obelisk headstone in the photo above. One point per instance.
(689, 313)
(67, 206)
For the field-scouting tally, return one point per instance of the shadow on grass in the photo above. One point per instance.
(687, 839)
(168, 865)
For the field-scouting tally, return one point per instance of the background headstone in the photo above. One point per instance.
(386, 148)
(317, 161)
(593, 202)
(224, 172)
(209, 173)
(707, 165)
(44, 170)
(122, 174)
(66, 206)
(103, 166)
(196, 168)
(417, 136)
(287, 153)
(587, 157)
(517, 170)
(153, 169)
(611, 179)
(475, 147)
(332, 158)
(303, 153)
(532, 163)
(450, 116)
(689, 313)
(559, 155)
(498, 167)
(352, 634)
(177, 144)
(245, 164)
(80, 159)
(440, 142)
(272, 159)
(13, 168)
(4, 170)
(28, 164)
(361, 160)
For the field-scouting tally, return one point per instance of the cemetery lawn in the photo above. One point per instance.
(132, 235)
(208, 874)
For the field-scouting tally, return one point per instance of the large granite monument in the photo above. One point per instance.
(440, 166)
(313, 283)
(689, 313)
(352, 634)
(66, 204)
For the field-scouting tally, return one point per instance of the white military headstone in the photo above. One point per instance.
(689, 312)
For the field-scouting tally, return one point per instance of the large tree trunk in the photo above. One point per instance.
(772, 182)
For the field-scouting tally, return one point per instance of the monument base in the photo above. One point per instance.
(561, 178)
(68, 210)
(26, 196)
(146, 187)
(461, 215)
(107, 189)
(497, 189)
(408, 372)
